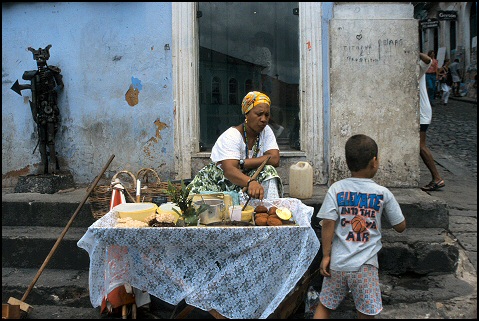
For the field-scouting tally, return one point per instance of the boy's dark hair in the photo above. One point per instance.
(360, 149)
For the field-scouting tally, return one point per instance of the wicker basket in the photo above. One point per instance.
(100, 197)
(151, 185)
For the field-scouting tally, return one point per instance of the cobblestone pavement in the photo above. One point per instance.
(453, 131)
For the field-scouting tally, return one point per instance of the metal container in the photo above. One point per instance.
(215, 211)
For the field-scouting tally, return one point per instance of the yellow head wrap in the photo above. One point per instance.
(252, 99)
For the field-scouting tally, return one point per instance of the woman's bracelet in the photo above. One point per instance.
(250, 180)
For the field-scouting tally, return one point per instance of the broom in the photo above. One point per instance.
(21, 303)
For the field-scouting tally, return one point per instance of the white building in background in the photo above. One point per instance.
(450, 29)
(138, 85)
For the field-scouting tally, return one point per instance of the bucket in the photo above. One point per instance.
(214, 213)
(301, 180)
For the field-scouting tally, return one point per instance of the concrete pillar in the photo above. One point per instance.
(374, 87)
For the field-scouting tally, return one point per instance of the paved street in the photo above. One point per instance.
(452, 138)
(453, 133)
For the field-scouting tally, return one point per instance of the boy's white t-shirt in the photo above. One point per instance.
(358, 196)
(230, 145)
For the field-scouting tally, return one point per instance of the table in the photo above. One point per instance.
(241, 272)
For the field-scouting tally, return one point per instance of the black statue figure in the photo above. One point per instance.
(45, 82)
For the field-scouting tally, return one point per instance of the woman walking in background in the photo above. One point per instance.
(445, 77)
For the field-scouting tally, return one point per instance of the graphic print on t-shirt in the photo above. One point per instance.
(358, 213)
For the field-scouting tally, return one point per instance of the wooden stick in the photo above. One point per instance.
(255, 175)
(260, 168)
(49, 256)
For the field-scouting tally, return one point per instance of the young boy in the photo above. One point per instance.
(351, 236)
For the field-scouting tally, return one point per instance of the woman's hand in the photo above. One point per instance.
(255, 190)
(236, 176)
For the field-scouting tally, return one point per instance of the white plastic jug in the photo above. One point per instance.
(301, 180)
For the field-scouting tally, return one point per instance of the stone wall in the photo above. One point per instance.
(374, 88)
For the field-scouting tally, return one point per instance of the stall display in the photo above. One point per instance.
(237, 271)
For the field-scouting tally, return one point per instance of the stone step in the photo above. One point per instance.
(416, 250)
(420, 209)
(29, 246)
(63, 294)
(47, 312)
(32, 222)
(35, 209)
(37, 213)
(54, 287)
(419, 251)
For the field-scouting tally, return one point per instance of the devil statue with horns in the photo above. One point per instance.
(45, 83)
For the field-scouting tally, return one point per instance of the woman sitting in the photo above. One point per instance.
(240, 150)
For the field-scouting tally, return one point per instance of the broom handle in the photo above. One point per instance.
(256, 173)
(260, 168)
(49, 256)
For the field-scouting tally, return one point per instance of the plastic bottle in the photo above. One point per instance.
(301, 180)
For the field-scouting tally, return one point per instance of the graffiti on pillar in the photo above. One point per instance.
(388, 47)
(360, 53)
(45, 83)
(363, 50)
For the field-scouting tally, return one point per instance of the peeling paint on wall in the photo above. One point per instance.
(133, 92)
(153, 140)
(131, 96)
(159, 127)
(20, 172)
(11, 178)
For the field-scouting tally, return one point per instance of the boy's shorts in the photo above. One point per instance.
(364, 286)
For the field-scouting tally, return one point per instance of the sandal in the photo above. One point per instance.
(433, 186)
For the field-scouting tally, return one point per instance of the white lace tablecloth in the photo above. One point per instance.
(241, 272)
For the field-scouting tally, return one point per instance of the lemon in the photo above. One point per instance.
(284, 213)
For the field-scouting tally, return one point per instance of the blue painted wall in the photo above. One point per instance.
(326, 16)
(118, 97)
